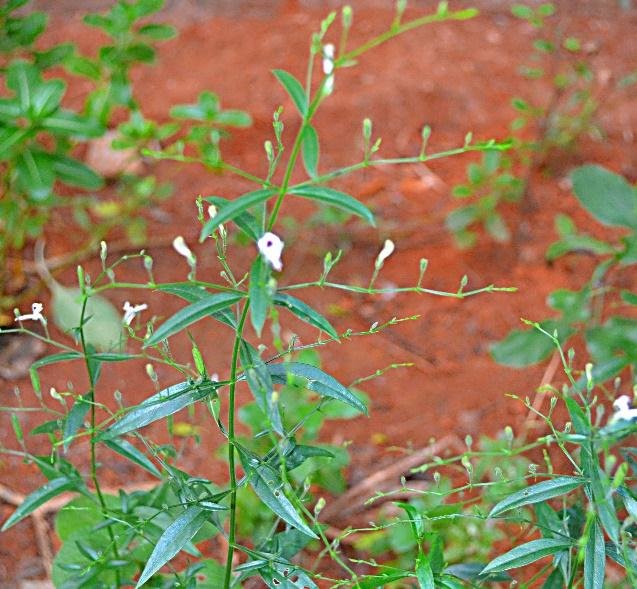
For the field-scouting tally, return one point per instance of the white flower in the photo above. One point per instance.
(388, 250)
(212, 211)
(328, 67)
(271, 247)
(183, 250)
(35, 315)
(623, 410)
(328, 59)
(131, 311)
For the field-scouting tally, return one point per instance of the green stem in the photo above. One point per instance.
(93, 442)
(231, 463)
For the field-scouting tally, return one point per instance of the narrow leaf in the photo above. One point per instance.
(594, 558)
(294, 89)
(75, 418)
(206, 307)
(316, 380)
(235, 208)
(304, 312)
(162, 404)
(174, 538)
(525, 554)
(40, 497)
(259, 292)
(535, 493)
(245, 221)
(267, 485)
(335, 198)
(310, 151)
(127, 450)
(424, 574)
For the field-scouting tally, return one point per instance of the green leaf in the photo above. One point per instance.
(235, 208)
(525, 554)
(260, 383)
(162, 404)
(525, 347)
(424, 574)
(606, 196)
(599, 486)
(387, 575)
(127, 450)
(267, 485)
(539, 492)
(259, 293)
(245, 221)
(35, 173)
(461, 218)
(294, 89)
(315, 380)
(233, 118)
(285, 575)
(304, 312)
(174, 538)
(75, 418)
(82, 66)
(193, 293)
(554, 581)
(158, 32)
(471, 571)
(310, 151)
(41, 496)
(594, 558)
(75, 173)
(66, 122)
(55, 358)
(22, 78)
(206, 307)
(335, 198)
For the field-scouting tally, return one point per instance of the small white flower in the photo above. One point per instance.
(183, 250)
(271, 247)
(388, 250)
(328, 59)
(328, 67)
(212, 211)
(130, 311)
(623, 410)
(35, 315)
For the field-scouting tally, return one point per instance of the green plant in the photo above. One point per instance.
(38, 137)
(130, 539)
(556, 126)
(601, 310)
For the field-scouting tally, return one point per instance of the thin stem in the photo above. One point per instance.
(231, 464)
(93, 441)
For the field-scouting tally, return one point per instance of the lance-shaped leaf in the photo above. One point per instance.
(260, 383)
(162, 404)
(52, 489)
(310, 151)
(525, 554)
(193, 293)
(315, 380)
(174, 538)
(75, 418)
(539, 492)
(594, 558)
(335, 198)
(127, 450)
(294, 89)
(285, 575)
(304, 312)
(268, 486)
(260, 293)
(235, 208)
(75, 173)
(245, 221)
(206, 307)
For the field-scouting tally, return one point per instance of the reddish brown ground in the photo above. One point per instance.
(457, 77)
